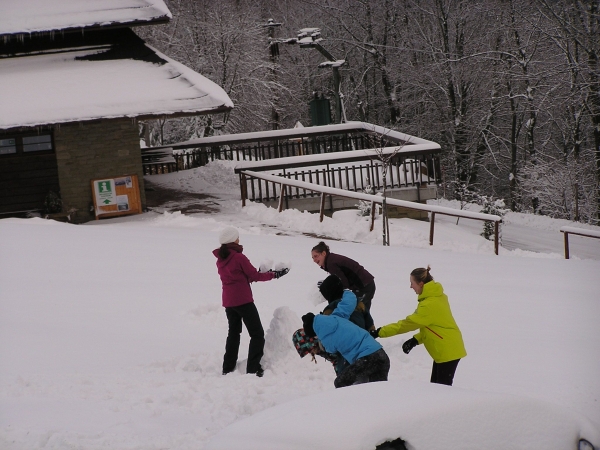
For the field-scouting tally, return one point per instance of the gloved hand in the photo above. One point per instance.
(409, 345)
(280, 273)
(360, 306)
(375, 333)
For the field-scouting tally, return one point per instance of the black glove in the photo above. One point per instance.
(375, 333)
(409, 345)
(280, 273)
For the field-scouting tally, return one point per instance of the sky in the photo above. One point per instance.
(112, 334)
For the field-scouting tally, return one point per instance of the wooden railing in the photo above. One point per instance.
(158, 161)
(285, 143)
(409, 167)
(197, 157)
(285, 183)
(578, 232)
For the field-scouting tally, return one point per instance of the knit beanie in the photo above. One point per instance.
(228, 235)
(304, 344)
(332, 288)
(307, 324)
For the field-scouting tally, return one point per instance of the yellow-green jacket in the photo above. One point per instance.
(437, 328)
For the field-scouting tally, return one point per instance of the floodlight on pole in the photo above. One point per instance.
(311, 38)
(271, 25)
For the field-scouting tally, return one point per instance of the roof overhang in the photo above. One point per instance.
(98, 75)
(21, 18)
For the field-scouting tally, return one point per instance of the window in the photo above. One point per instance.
(10, 145)
(37, 143)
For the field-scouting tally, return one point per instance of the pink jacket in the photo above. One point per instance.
(236, 274)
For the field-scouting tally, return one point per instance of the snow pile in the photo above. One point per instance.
(431, 417)
(118, 340)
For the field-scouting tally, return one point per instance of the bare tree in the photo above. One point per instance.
(578, 23)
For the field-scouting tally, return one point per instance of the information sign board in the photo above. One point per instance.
(116, 196)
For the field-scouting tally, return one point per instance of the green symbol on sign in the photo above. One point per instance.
(104, 186)
(106, 202)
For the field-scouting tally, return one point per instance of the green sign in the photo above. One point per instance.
(105, 192)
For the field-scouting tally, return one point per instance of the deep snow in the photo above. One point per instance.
(112, 333)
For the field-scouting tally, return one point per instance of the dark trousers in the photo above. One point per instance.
(235, 315)
(365, 295)
(443, 373)
(370, 368)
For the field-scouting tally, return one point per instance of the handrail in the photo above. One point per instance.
(289, 162)
(579, 232)
(374, 199)
(291, 133)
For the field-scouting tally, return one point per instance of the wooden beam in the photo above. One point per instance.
(282, 189)
(566, 244)
(496, 237)
(244, 189)
(372, 216)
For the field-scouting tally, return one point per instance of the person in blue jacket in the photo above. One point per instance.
(367, 360)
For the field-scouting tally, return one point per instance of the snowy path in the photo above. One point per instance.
(214, 188)
(535, 239)
(542, 241)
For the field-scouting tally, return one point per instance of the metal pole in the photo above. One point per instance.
(431, 225)
(336, 93)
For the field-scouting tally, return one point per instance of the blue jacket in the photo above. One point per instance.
(338, 334)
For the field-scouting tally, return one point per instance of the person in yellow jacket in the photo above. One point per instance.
(437, 328)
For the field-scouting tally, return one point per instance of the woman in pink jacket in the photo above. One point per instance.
(236, 274)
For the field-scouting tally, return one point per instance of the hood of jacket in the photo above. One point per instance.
(431, 289)
(233, 249)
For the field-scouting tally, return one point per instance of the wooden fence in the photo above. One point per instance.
(170, 159)
(403, 172)
(285, 183)
(578, 232)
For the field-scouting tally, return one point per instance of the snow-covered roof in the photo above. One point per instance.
(96, 75)
(30, 16)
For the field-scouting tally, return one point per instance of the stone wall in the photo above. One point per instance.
(90, 150)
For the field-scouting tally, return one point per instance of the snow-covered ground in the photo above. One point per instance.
(112, 333)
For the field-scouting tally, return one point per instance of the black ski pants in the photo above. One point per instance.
(365, 295)
(370, 368)
(249, 315)
(443, 373)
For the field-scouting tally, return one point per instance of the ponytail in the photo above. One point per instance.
(422, 275)
(321, 247)
(224, 251)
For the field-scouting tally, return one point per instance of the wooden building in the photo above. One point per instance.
(74, 80)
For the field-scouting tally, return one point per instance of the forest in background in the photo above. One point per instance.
(509, 88)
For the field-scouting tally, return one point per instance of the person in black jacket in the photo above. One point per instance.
(352, 275)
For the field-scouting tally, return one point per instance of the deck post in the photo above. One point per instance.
(566, 244)
(372, 216)
(322, 209)
(243, 188)
(282, 189)
(496, 230)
